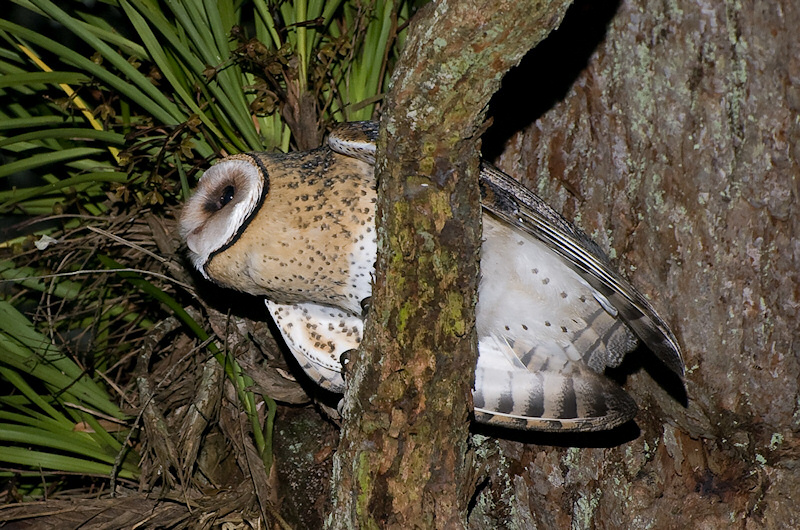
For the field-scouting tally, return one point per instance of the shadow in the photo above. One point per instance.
(14, 226)
(253, 308)
(671, 382)
(546, 73)
(228, 300)
(644, 359)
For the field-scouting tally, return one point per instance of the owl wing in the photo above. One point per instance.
(317, 336)
(510, 201)
(518, 206)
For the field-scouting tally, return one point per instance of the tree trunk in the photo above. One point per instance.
(403, 459)
(677, 149)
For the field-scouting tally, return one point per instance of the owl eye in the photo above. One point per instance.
(225, 197)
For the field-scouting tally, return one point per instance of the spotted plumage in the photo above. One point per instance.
(552, 315)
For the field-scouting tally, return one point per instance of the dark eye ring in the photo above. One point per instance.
(226, 196)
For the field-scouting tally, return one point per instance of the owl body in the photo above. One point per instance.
(299, 229)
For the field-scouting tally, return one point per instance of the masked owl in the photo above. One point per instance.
(552, 315)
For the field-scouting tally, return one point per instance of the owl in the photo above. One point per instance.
(298, 229)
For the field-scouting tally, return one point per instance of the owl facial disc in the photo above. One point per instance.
(227, 196)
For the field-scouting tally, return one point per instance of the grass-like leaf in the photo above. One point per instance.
(49, 421)
(87, 135)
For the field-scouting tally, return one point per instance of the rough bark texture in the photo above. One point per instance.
(403, 460)
(677, 149)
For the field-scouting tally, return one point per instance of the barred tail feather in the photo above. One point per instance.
(576, 400)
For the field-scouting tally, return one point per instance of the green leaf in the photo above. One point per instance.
(44, 159)
(14, 197)
(159, 107)
(44, 460)
(32, 78)
(66, 440)
(30, 121)
(71, 133)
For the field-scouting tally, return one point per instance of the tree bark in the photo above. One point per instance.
(677, 149)
(403, 458)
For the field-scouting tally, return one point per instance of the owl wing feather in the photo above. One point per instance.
(317, 336)
(507, 199)
(551, 394)
(576, 399)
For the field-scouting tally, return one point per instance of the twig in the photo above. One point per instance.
(124, 241)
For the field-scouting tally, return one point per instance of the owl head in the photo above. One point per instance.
(295, 227)
(227, 196)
